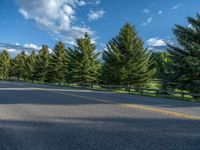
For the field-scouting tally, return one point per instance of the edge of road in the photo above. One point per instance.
(136, 106)
(104, 100)
(96, 90)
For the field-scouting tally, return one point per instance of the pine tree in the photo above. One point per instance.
(58, 64)
(15, 67)
(162, 63)
(186, 56)
(42, 64)
(83, 61)
(4, 64)
(30, 65)
(126, 61)
(18, 66)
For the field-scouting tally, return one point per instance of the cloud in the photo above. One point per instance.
(97, 2)
(16, 48)
(11, 50)
(95, 15)
(58, 17)
(148, 21)
(32, 46)
(146, 11)
(156, 42)
(160, 12)
(82, 3)
(176, 7)
(159, 44)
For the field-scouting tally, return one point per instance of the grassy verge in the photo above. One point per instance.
(172, 97)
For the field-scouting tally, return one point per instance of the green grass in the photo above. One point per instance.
(174, 96)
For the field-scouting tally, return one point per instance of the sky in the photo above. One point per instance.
(27, 24)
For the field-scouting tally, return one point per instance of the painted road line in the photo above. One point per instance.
(136, 106)
(163, 111)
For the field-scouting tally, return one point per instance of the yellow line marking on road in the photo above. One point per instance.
(136, 106)
(163, 111)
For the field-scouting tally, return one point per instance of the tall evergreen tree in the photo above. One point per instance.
(58, 64)
(83, 61)
(18, 66)
(4, 64)
(30, 65)
(15, 67)
(126, 61)
(186, 57)
(162, 65)
(160, 60)
(42, 64)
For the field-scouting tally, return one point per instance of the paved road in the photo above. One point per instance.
(34, 117)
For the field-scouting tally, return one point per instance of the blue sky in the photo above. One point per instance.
(27, 24)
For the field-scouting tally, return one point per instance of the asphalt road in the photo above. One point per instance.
(36, 117)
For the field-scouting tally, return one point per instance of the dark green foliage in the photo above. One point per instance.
(126, 61)
(185, 58)
(42, 64)
(83, 61)
(162, 64)
(4, 64)
(161, 59)
(30, 65)
(58, 64)
(18, 66)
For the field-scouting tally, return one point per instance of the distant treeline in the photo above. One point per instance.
(125, 61)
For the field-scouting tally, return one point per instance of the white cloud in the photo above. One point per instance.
(16, 48)
(176, 7)
(160, 12)
(95, 15)
(68, 10)
(58, 17)
(97, 2)
(82, 3)
(146, 11)
(148, 21)
(12, 50)
(24, 13)
(32, 46)
(156, 42)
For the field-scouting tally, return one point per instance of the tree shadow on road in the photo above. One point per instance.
(103, 133)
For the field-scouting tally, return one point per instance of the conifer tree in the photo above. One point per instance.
(126, 61)
(83, 61)
(30, 65)
(186, 56)
(162, 63)
(58, 64)
(18, 66)
(42, 64)
(4, 64)
(15, 67)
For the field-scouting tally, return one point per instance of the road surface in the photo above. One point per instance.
(38, 117)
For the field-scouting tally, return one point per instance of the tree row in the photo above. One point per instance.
(125, 61)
